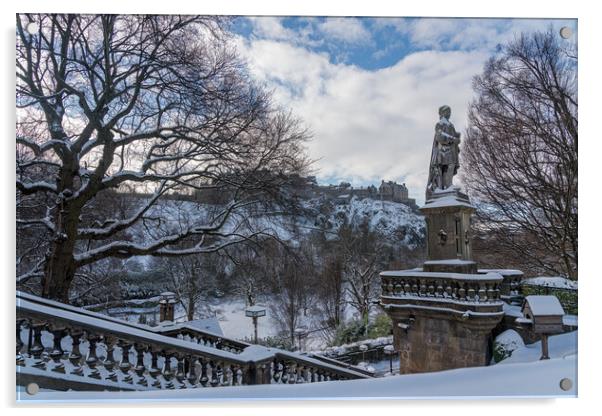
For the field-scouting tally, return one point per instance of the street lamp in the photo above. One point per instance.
(390, 351)
(363, 349)
(255, 312)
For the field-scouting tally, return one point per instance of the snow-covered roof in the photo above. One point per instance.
(543, 305)
(205, 325)
(555, 282)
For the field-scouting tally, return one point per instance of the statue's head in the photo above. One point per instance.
(445, 111)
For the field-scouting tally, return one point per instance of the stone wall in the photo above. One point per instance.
(437, 343)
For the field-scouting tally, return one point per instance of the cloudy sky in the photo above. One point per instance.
(369, 88)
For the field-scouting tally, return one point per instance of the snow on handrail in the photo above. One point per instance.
(58, 337)
(202, 337)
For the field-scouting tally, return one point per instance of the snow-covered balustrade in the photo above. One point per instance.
(62, 347)
(191, 334)
(459, 291)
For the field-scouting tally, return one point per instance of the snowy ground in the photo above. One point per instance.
(230, 313)
(522, 375)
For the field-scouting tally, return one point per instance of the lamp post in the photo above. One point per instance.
(255, 312)
(390, 351)
(363, 349)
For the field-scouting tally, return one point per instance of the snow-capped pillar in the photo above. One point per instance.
(167, 306)
(448, 216)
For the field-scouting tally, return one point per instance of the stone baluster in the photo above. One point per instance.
(482, 292)
(92, 359)
(224, 370)
(238, 379)
(75, 356)
(292, 374)
(20, 358)
(56, 354)
(470, 295)
(180, 372)
(423, 288)
(415, 287)
(406, 288)
(276, 371)
(154, 370)
(167, 373)
(124, 364)
(439, 290)
(38, 348)
(109, 362)
(191, 375)
(431, 289)
(285, 376)
(301, 374)
(448, 290)
(140, 367)
(490, 294)
(496, 292)
(214, 374)
(204, 377)
(462, 291)
(321, 375)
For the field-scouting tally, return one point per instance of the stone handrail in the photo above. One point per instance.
(473, 288)
(191, 334)
(61, 348)
(178, 330)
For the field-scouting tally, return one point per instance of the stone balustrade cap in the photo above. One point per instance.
(490, 276)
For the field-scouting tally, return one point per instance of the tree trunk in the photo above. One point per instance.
(59, 273)
(191, 307)
(60, 267)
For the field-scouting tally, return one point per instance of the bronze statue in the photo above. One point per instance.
(445, 155)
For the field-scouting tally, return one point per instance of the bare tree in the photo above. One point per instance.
(292, 288)
(362, 263)
(520, 152)
(155, 104)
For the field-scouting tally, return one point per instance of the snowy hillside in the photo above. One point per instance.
(397, 223)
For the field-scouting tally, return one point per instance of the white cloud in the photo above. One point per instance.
(346, 29)
(368, 125)
(450, 33)
(379, 124)
(271, 28)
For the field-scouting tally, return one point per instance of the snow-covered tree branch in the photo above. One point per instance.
(111, 106)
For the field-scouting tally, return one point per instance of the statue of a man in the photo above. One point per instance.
(445, 155)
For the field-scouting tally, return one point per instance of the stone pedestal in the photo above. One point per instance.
(447, 214)
(443, 313)
(437, 341)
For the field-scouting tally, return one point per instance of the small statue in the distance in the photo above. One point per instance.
(445, 155)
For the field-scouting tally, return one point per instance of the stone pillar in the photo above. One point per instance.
(167, 306)
(447, 215)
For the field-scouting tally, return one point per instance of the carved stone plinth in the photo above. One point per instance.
(447, 215)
